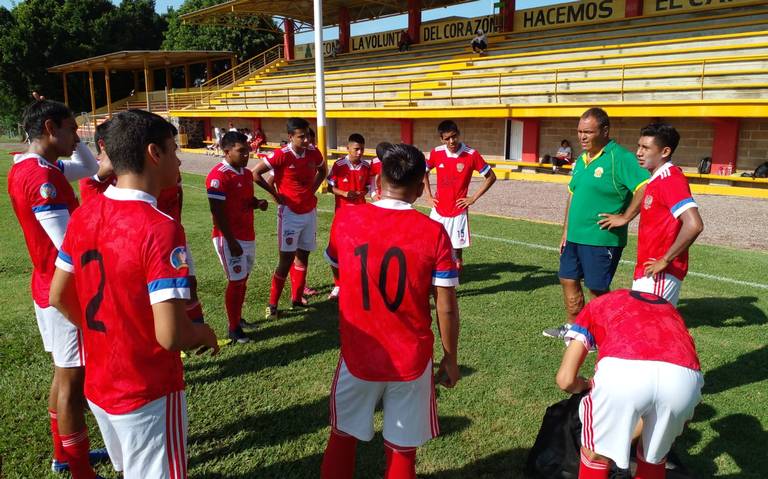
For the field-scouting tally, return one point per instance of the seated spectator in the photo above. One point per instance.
(480, 42)
(405, 41)
(564, 156)
(259, 138)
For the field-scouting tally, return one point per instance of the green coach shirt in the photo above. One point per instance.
(603, 185)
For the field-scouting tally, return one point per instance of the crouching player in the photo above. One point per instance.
(389, 257)
(647, 368)
(122, 276)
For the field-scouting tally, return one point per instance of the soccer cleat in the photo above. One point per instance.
(301, 304)
(95, 456)
(238, 336)
(310, 291)
(334, 293)
(247, 324)
(271, 313)
(558, 332)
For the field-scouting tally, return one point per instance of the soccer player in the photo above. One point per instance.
(669, 217)
(350, 177)
(299, 171)
(390, 257)
(606, 179)
(122, 275)
(230, 195)
(646, 368)
(455, 162)
(43, 200)
(98, 183)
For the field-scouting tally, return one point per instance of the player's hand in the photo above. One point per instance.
(563, 240)
(465, 202)
(448, 373)
(612, 221)
(433, 201)
(654, 266)
(351, 195)
(278, 199)
(258, 204)
(208, 339)
(234, 248)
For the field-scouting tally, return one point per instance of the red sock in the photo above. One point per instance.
(233, 299)
(646, 470)
(58, 448)
(401, 462)
(298, 281)
(276, 290)
(195, 312)
(339, 457)
(76, 447)
(589, 469)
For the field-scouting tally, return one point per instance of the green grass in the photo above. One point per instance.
(260, 410)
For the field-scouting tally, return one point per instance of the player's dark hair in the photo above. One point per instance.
(294, 124)
(403, 165)
(356, 138)
(447, 126)
(130, 133)
(599, 115)
(230, 138)
(100, 134)
(382, 148)
(663, 135)
(40, 111)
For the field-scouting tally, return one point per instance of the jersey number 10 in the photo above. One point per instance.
(393, 253)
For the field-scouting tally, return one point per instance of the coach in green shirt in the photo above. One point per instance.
(607, 179)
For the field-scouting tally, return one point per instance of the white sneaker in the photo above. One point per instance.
(334, 293)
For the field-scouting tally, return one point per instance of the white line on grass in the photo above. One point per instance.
(690, 273)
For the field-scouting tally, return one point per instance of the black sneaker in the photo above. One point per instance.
(558, 332)
(238, 336)
(247, 324)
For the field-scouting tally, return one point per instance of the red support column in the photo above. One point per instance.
(207, 133)
(255, 124)
(343, 30)
(406, 131)
(414, 20)
(508, 16)
(725, 145)
(531, 139)
(633, 8)
(288, 40)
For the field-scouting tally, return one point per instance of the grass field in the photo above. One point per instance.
(260, 410)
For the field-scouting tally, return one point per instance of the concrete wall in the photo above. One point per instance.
(484, 134)
(374, 131)
(753, 143)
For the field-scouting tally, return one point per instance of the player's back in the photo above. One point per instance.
(389, 256)
(120, 255)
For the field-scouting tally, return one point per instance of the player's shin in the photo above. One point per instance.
(339, 457)
(233, 297)
(76, 447)
(298, 281)
(276, 290)
(58, 449)
(401, 462)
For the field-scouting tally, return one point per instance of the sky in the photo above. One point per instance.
(476, 8)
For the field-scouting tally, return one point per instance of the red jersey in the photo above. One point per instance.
(454, 172)
(38, 189)
(348, 177)
(376, 171)
(233, 186)
(389, 256)
(667, 196)
(169, 201)
(126, 255)
(295, 176)
(628, 324)
(92, 186)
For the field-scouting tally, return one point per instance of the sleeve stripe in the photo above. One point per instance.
(333, 261)
(451, 273)
(331, 181)
(582, 334)
(64, 266)
(42, 208)
(214, 196)
(168, 283)
(642, 183)
(65, 257)
(166, 294)
(445, 282)
(681, 204)
(485, 170)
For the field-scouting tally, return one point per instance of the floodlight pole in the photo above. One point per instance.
(319, 78)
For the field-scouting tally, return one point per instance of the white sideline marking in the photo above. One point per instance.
(690, 273)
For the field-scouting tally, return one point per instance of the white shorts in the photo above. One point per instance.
(150, 441)
(235, 267)
(60, 338)
(662, 284)
(456, 226)
(296, 231)
(663, 394)
(410, 409)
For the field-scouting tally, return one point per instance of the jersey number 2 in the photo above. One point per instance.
(392, 253)
(95, 302)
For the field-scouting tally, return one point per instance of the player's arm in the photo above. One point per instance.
(428, 189)
(320, 174)
(564, 237)
(63, 296)
(490, 179)
(448, 324)
(218, 208)
(105, 170)
(691, 228)
(611, 221)
(568, 378)
(258, 170)
(82, 164)
(175, 332)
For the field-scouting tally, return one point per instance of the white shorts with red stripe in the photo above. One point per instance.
(661, 284)
(664, 395)
(296, 231)
(150, 441)
(456, 226)
(410, 409)
(235, 267)
(60, 338)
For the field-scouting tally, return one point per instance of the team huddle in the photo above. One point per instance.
(115, 294)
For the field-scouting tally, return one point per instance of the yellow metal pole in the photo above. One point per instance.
(109, 92)
(66, 93)
(93, 98)
(146, 83)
